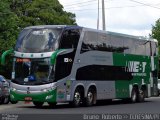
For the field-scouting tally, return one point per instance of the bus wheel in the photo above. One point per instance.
(90, 97)
(52, 104)
(6, 100)
(13, 102)
(1, 100)
(134, 95)
(77, 99)
(141, 96)
(38, 104)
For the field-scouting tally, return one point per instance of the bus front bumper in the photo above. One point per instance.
(47, 96)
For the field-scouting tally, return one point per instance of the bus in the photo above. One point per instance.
(78, 65)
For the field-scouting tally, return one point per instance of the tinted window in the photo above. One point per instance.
(104, 42)
(117, 44)
(69, 39)
(129, 44)
(140, 48)
(89, 41)
(148, 49)
(104, 73)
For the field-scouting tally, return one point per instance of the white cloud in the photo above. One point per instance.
(129, 20)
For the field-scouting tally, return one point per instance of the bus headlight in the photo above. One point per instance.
(12, 96)
(45, 90)
(49, 89)
(49, 97)
(13, 89)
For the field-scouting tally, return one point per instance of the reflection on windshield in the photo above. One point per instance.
(33, 72)
(38, 40)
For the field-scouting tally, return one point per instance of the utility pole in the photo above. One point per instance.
(98, 17)
(103, 15)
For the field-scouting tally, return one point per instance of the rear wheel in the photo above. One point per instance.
(38, 104)
(141, 96)
(1, 100)
(6, 100)
(91, 96)
(52, 104)
(134, 95)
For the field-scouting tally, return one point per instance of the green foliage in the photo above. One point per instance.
(8, 27)
(41, 12)
(17, 14)
(156, 31)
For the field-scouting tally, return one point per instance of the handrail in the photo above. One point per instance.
(3, 57)
(54, 56)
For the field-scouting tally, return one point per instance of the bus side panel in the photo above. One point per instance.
(136, 69)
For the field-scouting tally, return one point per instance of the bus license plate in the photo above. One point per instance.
(28, 99)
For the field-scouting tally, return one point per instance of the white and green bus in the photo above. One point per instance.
(57, 64)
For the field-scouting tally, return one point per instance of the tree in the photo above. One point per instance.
(8, 27)
(8, 31)
(41, 12)
(17, 14)
(156, 31)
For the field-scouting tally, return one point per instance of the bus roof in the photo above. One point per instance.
(53, 26)
(95, 30)
(122, 35)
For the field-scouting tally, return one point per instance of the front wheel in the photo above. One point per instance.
(38, 104)
(77, 99)
(52, 104)
(13, 102)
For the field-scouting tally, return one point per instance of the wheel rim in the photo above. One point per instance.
(141, 93)
(134, 96)
(6, 100)
(77, 98)
(90, 97)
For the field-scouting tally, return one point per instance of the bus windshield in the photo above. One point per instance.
(38, 40)
(33, 71)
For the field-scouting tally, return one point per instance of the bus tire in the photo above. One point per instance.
(141, 96)
(52, 104)
(38, 104)
(77, 99)
(13, 102)
(6, 100)
(91, 94)
(1, 100)
(134, 95)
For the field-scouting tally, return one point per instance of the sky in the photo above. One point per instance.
(133, 17)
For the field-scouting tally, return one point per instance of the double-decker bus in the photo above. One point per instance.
(56, 64)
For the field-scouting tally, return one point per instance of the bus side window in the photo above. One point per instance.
(129, 46)
(148, 49)
(70, 39)
(89, 41)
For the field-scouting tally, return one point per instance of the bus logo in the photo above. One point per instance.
(67, 60)
(136, 68)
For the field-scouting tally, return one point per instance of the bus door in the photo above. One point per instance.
(68, 41)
